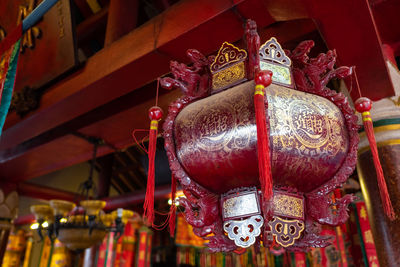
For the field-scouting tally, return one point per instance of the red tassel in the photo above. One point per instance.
(155, 114)
(172, 211)
(262, 80)
(364, 105)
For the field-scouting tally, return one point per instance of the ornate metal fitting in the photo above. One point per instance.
(288, 205)
(244, 232)
(228, 67)
(273, 58)
(240, 203)
(286, 232)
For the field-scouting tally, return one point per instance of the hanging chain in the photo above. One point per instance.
(88, 184)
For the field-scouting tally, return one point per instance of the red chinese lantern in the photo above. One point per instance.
(258, 143)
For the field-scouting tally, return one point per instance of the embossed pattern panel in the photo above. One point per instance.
(228, 76)
(216, 139)
(288, 206)
(241, 205)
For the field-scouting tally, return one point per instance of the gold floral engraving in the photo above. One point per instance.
(218, 126)
(228, 76)
(281, 74)
(307, 133)
(242, 205)
(290, 206)
(286, 232)
(311, 130)
(307, 122)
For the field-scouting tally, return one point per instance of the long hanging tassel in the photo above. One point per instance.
(262, 80)
(172, 211)
(363, 105)
(155, 115)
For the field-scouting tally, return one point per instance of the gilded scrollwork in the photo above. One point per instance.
(307, 129)
(306, 123)
(286, 205)
(217, 126)
(228, 76)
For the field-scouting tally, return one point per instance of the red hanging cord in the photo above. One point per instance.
(363, 105)
(262, 80)
(155, 115)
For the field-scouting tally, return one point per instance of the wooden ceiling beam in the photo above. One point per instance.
(121, 201)
(126, 182)
(113, 122)
(135, 60)
(44, 192)
(93, 24)
(132, 171)
(350, 29)
(68, 150)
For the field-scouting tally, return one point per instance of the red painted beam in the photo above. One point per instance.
(386, 15)
(134, 60)
(68, 150)
(349, 27)
(122, 18)
(126, 200)
(45, 192)
(56, 149)
(121, 201)
(91, 26)
(25, 219)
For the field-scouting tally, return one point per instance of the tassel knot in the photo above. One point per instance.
(363, 105)
(155, 115)
(262, 80)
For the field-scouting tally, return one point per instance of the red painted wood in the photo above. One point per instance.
(386, 15)
(113, 122)
(69, 150)
(145, 52)
(78, 101)
(91, 26)
(121, 201)
(25, 219)
(284, 10)
(83, 8)
(122, 18)
(108, 75)
(349, 27)
(127, 200)
(44, 192)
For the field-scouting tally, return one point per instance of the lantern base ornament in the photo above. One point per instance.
(286, 232)
(211, 141)
(244, 232)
